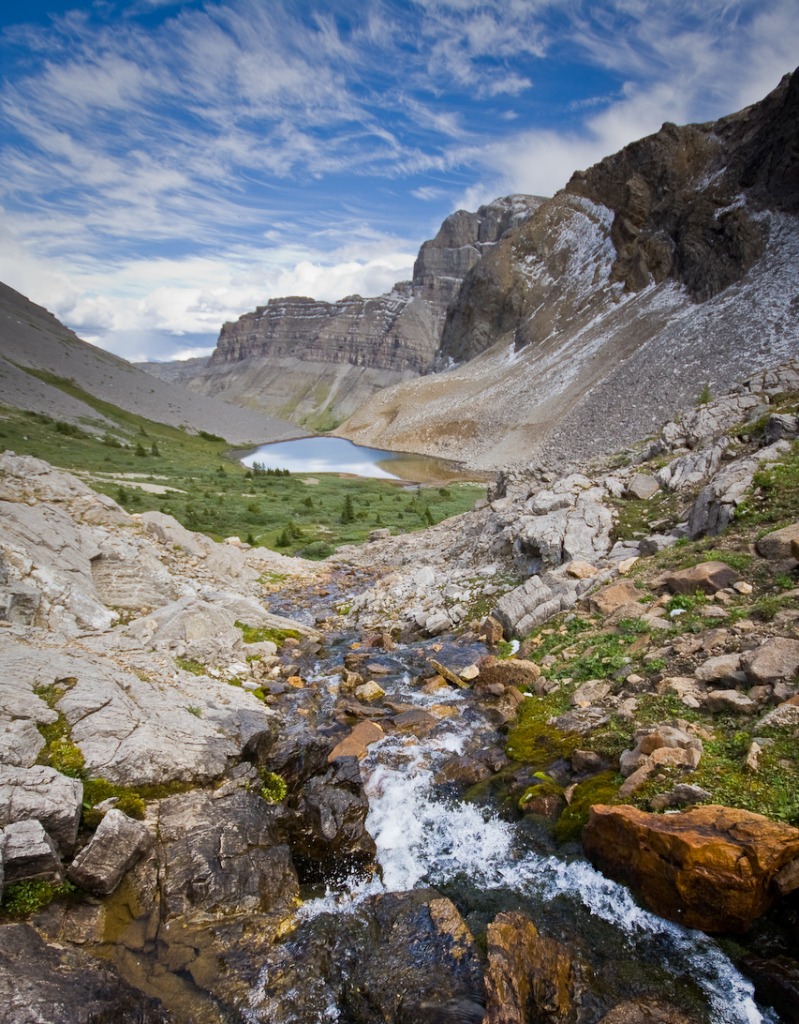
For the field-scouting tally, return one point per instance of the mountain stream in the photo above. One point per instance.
(428, 838)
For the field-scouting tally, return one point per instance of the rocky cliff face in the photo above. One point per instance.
(318, 361)
(672, 264)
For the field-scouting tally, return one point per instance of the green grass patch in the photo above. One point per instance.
(196, 668)
(209, 491)
(772, 790)
(636, 518)
(772, 500)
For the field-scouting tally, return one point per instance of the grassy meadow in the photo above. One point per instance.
(146, 465)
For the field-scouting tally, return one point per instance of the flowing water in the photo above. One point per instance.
(425, 838)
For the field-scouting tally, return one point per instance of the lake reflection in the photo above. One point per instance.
(337, 455)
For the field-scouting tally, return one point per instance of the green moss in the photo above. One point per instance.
(23, 898)
(599, 789)
(63, 755)
(59, 751)
(532, 739)
(258, 634)
(196, 668)
(274, 787)
(130, 800)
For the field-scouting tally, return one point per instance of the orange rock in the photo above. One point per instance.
(608, 599)
(510, 672)
(707, 576)
(358, 741)
(711, 867)
(529, 977)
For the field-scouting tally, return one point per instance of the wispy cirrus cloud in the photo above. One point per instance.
(169, 165)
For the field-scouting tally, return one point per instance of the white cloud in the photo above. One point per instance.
(161, 180)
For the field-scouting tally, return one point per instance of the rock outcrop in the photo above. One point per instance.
(317, 362)
(714, 868)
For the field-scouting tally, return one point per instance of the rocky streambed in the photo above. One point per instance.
(266, 790)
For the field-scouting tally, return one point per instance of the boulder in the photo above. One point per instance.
(725, 667)
(778, 545)
(116, 845)
(783, 716)
(20, 742)
(682, 795)
(608, 599)
(510, 672)
(221, 855)
(781, 425)
(529, 977)
(729, 701)
(642, 486)
(775, 659)
(776, 984)
(29, 854)
(646, 1011)
(581, 570)
(715, 506)
(593, 691)
(491, 630)
(711, 867)
(369, 691)
(707, 577)
(332, 811)
(404, 957)
(522, 609)
(42, 794)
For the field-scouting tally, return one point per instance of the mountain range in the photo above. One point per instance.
(532, 330)
(554, 328)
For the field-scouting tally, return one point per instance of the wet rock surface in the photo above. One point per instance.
(404, 957)
(710, 867)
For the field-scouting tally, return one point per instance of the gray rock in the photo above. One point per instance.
(729, 700)
(781, 425)
(715, 507)
(116, 845)
(657, 542)
(783, 716)
(29, 854)
(774, 660)
(41, 793)
(19, 604)
(692, 469)
(20, 742)
(681, 795)
(138, 581)
(522, 609)
(714, 418)
(222, 856)
(642, 486)
(722, 667)
(437, 622)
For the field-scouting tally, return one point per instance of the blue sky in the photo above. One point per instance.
(168, 166)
